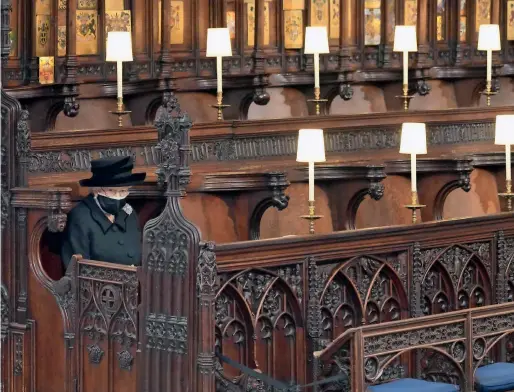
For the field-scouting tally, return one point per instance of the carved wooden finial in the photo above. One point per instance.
(173, 128)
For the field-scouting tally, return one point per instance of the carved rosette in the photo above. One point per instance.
(376, 190)
(346, 91)
(57, 221)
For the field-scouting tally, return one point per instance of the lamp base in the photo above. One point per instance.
(488, 93)
(311, 217)
(508, 195)
(120, 112)
(414, 206)
(405, 97)
(220, 106)
(317, 100)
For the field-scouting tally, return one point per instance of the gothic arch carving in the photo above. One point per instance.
(463, 182)
(364, 272)
(339, 300)
(270, 307)
(458, 272)
(374, 368)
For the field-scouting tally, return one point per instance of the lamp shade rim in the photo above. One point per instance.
(311, 146)
(218, 42)
(413, 139)
(119, 46)
(316, 40)
(504, 129)
(489, 37)
(405, 39)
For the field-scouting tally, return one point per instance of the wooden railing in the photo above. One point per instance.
(281, 299)
(445, 347)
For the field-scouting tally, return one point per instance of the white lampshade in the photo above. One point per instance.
(414, 139)
(504, 129)
(311, 146)
(405, 39)
(316, 40)
(218, 42)
(119, 46)
(489, 37)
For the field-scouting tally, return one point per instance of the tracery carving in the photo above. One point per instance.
(168, 333)
(103, 273)
(417, 277)
(173, 129)
(23, 134)
(4, 152)
(362, 288)
(258, 310)
(4, 306)
(168, 249)
(505, 273)
(293, 277)
(437, 368)
(396, 341)
(314, 306)
(109, 299)
(206, 277)
(18, 355)
(503, 261)
(457, 278)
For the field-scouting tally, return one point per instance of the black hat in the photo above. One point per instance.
(113, 172)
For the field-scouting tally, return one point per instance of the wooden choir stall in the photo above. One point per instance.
(258, 273)
(298, 309)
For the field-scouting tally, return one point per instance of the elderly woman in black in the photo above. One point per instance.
(103, 226)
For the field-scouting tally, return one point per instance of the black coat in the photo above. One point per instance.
(91, 234)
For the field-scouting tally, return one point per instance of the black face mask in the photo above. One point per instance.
(111, 206)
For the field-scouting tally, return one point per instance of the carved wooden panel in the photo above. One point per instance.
(107, 326)
(365, 289)
(259, 314)
(455, 278)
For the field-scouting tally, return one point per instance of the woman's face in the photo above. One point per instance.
(113, 193)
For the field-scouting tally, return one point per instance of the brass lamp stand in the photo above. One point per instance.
(488, 92)
(120, 112)
(508, 195)
(405, 97)
(219, 105)
(317, 100)
(414, 206)
(312, 217)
